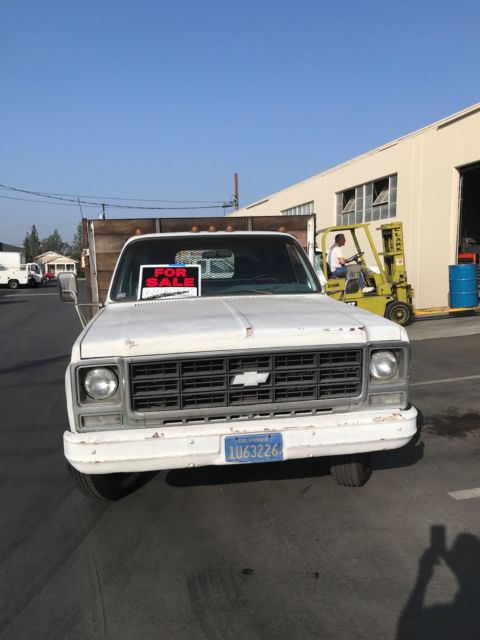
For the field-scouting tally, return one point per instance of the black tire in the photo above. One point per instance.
(399, 312)
(351, 471)
(13, 284)
(111, 486)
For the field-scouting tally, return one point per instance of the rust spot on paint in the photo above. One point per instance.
(393, 417)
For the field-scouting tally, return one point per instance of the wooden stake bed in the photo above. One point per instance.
(104, 240)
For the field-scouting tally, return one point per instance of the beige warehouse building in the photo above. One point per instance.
(429, 179)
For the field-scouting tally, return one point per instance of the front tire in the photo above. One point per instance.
(108, 486)
(399, 312)
(352, 470)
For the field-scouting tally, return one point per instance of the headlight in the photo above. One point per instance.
(100, 383)
(383, 365)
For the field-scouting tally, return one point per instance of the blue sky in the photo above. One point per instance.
(166, 100)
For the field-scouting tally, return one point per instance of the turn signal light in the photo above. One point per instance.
(106, 420)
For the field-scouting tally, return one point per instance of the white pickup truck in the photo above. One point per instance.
(246, 361)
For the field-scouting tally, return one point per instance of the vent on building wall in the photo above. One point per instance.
(305, 209)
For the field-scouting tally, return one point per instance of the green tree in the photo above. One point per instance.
(53, 242)
(77, 243)
(31, 245)
(26, 248)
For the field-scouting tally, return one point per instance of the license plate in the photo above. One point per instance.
(266, 447)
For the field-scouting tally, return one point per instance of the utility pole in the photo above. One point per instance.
(101, 215)
(235, 192)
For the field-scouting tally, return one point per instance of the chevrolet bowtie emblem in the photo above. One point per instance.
(250, 378)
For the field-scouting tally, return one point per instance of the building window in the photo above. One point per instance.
(305, 209)
(376, 200)
(380, 192)
(348, 201)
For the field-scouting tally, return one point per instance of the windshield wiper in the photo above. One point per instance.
(264, 291)
(166, 295)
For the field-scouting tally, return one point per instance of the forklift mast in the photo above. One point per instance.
(393, 253)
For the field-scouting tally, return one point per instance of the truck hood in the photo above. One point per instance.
(179, 326)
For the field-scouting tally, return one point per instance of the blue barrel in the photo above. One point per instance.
(463, 285)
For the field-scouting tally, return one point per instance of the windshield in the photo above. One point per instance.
(226, 265)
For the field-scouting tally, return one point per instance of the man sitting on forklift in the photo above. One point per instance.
(338, 264)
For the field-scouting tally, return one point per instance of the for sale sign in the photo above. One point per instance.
(165, 280)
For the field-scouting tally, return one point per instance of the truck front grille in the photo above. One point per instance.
(208, 382)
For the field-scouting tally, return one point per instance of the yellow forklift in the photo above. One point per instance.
(392, 295)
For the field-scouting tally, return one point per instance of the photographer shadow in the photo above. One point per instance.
(458, 619)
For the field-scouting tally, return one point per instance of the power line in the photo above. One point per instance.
(74, 203)
(225, 205)
(35, 193)
(68, 198)
(61, 204)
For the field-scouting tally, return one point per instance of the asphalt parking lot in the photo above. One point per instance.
(267, 551)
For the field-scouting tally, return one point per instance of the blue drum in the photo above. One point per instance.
(463, 285)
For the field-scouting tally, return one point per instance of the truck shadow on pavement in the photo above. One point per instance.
(458, 619)
(238, 473)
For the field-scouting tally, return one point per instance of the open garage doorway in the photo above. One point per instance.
(469, 222)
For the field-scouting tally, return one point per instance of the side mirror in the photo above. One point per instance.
(67, 283)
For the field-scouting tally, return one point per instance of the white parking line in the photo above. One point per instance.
(466, 494)
(443, 380)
